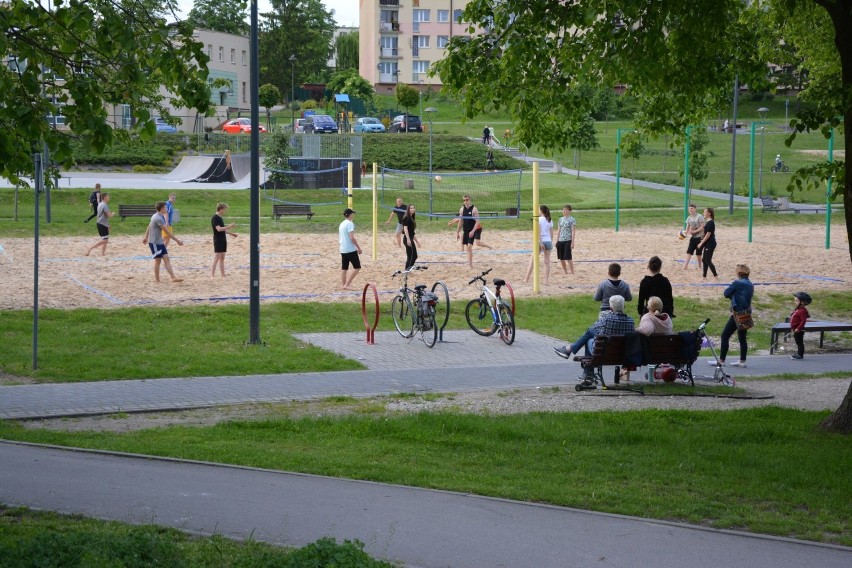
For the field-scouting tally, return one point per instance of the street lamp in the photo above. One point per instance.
(762, 112)
(293, 91)
(429, 111)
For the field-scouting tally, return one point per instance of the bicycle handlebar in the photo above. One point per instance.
(480, 277)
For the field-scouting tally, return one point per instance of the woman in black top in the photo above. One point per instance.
(655, 285)
(708, 244)
(409, 224)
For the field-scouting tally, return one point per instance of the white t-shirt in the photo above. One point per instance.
(346, 228)
(545, 229)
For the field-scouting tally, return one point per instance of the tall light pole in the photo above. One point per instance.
(429, 112)
(762, 112)
(293, 91)
(254, 204)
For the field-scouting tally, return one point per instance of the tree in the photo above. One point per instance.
(632, 146)
(354, 85)
(407, 96)
(582, 136)
(346, 50)
(81, 57)
(300, 28)
(268, 96)
(220, 16)
(680, 58)
(699, 139)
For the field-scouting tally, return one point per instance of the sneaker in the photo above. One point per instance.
(562, 352)
(714, 363)
(796, 356)
(738, 364)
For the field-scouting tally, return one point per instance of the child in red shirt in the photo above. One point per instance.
(798, 319)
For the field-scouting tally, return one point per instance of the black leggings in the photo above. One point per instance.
(94, 212)
(410, 253)
(729, 330)
(708, 260)
(799, 337)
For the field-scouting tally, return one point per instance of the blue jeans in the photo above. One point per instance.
(586, 340)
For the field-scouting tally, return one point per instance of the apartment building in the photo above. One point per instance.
(400, 39)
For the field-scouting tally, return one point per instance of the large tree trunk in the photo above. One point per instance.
(841, 420)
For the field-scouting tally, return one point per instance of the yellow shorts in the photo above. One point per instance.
(164, 233)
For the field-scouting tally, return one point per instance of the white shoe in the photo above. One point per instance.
(738, 364)
(714, 363)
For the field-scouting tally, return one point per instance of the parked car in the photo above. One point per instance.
(369, 124)
(300, 126)
(240, 126)
(163, 126)
(320, 123)
(406, 123)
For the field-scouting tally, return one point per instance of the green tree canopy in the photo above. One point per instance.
(407, 96)
(83, 57)
(300, 28)
(346, 51)
(354, 85)
(220, 16)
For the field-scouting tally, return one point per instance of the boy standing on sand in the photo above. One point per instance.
(154, 239)
(103, 213)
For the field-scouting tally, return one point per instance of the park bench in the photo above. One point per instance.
(289, 210)
(135, 211)
(770, 204)
(679, 350)
(812, 326)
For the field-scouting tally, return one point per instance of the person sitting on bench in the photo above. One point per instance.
(612, 322)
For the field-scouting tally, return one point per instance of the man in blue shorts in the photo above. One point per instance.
(154, 239)
(349, 250)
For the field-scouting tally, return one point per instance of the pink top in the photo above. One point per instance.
(655, 324)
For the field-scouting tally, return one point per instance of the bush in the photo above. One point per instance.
(449, 153)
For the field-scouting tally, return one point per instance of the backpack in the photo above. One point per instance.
(93, 197)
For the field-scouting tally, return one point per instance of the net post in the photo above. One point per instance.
(350, 180)
(375, 214)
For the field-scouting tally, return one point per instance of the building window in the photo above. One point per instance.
(389, 46)
(244, 91)
(420, 67)
(443, 41)
(209, 52)
(443, 16)
(244, 57)
(421, 15)
(457, 16)
(221, 53)
(421, 41)
(233, 57)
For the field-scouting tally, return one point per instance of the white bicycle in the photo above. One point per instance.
(489, 314)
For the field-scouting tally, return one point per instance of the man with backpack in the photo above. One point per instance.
(94, 201)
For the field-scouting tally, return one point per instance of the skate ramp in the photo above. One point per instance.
(189, 168)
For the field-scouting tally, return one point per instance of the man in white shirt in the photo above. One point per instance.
(349, 250)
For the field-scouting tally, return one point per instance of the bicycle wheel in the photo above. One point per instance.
(403, 315)
(507, 330)
(442, 309)
(429, 333)
(479, 318)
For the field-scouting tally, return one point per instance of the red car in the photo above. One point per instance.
(240, 126)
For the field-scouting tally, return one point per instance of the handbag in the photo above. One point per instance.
(743, 319)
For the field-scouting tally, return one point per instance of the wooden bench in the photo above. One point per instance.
(812, 326)
(770, 204)
(289, 210)
(653, 350)
(135, 211)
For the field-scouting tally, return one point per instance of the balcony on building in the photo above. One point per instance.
(388, 2)
(389, 26)
(390, 52)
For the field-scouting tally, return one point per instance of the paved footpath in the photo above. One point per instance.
(416, 527)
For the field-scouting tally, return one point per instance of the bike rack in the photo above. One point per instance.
(512, 298)
(371, 331)
(447, 313)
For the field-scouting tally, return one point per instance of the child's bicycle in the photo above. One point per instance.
(719, 373)
(414, 310)
(489, 314)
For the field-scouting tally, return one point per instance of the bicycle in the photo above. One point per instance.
(489, 314)
(410, 317)
(780, 168)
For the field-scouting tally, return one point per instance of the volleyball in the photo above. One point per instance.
(437, 179)
(681, 235)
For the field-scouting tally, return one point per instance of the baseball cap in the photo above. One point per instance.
(347, 212)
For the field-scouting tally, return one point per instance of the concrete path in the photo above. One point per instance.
(417, 527)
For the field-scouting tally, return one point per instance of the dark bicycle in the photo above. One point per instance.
(413, 310)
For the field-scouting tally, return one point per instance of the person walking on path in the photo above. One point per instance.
(611, 286)
(170, 217)
(708, 242)
(409, 239)
(94, 201)
(486, 135)
(798, 319)
(655, 285)
(489, 160)
(468, 229)
(220, 238)
(349, 250)
(740, 292)
(694, 232)
(545, 242)
(154, 239)
(567, 238)
(399, 210)
(103, 214)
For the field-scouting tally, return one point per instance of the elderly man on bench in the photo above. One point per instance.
(612, 322)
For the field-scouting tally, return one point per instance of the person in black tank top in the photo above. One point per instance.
(708, 243)
(469, 229)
